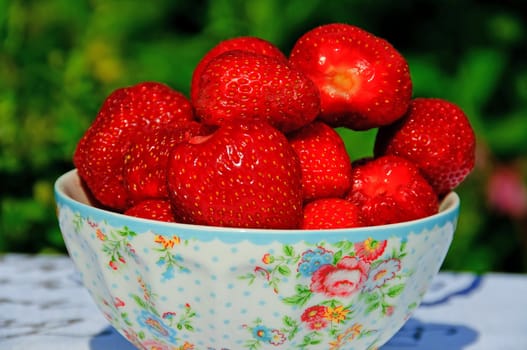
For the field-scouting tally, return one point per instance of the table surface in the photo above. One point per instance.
(43, 306)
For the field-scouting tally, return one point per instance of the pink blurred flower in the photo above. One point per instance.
(507, 192)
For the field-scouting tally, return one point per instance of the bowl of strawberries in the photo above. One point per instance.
(235, 218)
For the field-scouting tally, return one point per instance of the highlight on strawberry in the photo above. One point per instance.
(255, 144)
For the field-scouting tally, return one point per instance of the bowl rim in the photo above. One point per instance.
(448, 212)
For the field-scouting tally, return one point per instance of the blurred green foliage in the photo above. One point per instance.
(59, 59)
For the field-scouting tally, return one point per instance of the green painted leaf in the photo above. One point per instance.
(140, 301)
(395, 290)
(288, 321)
(337, 256)
(289, 250)
(284, 270)
(371, 297)
(300, 298)
(372, 307)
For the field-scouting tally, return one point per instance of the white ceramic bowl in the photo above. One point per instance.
(175, 286)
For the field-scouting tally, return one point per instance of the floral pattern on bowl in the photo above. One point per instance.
(170, 287)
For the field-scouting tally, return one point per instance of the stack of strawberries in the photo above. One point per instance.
(255, 145)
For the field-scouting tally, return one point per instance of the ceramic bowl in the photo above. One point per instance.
(177, 286)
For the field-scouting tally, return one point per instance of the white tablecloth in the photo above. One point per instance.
(44, 307)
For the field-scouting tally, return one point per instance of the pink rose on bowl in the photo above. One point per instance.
(341, 280)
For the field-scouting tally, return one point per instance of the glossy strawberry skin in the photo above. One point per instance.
(244, 84)
(152, 209)
(364, 82)
(330, 213)
(146, 160)
(243, 175)
(244, 43)
(99, 156)
(436, 135)
(390, 189)
(326, 165)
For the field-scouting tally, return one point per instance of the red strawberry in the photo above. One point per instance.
(244, 43)
(245, 174)
(244, 84)
(436, 135)
(154, 209)
(390, 189)
(326, 166)
(364, 81)
(99, 155)
(146, 160)
(330, 213)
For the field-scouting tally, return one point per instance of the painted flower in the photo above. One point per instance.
(341, 280)
(168, 274)
(113, 265)
(186, 346)
(262, 333)
(147, 291)
(277, 337)
(167, 243)
(100, 235)
(388, 311)
(130, 248)
(370, 249)
(262, 272)
(132, 337)
(336, 314)
(169, 315)
(314, 317)
(92, 224)
(382, 273)
(118, 302)
(108, 316)
(156, 326)
(171, 262)
(267, 259)
(313, 259)
(155, 345)
(345, 337)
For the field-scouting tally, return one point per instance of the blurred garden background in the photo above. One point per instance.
(59, 59)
